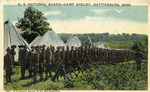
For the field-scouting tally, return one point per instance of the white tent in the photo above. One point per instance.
(49, 38)
(35, 40)
(73, 41)
(101, 45)
(108, 47)
(12, 37)
(88, 42)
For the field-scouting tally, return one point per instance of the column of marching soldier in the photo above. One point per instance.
(41, 59)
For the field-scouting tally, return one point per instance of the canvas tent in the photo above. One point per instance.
(73, 41)
(12, 37)
(88, 42)
(101, 45)
(35, 40)
(49, 38)
(108, 47)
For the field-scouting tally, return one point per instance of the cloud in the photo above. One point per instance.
(119, 10)
(103, 11)
(52, 13)
(98, 25)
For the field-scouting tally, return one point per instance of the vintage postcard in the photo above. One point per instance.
(97, 45)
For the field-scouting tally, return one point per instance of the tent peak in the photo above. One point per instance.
(6, 22)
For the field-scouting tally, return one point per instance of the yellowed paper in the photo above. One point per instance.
(80, 17)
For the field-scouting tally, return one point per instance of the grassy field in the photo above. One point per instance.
(120, 76)
(122, 44)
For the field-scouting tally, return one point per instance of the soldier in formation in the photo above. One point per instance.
(13, 53)
(8, 60)
(23, 59)
(48, 62)
(64, 60)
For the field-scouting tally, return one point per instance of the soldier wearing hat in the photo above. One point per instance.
(29, 64)
(52, 49)
(42, 61)
(138, 59)
(48, 62)
(13, 53)
(57, 57)
(35, 63)
(7, 65)
(67, 58)
(72, 55)
(23, 58)
(62, 55)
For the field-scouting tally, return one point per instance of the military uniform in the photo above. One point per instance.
(57, 57)
(48, 62)
(42, 61)
(138, 58)
(7, 65)
(23, 57)
(35, 63)
(13, 53)
(29, 64)
(67, 59)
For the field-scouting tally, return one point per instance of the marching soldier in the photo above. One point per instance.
(7, 65)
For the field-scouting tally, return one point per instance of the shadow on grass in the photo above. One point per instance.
(28, 84)
(21, 79)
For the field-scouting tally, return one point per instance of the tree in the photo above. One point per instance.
(141, 45)
(32, 24)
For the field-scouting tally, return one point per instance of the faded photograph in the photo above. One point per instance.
(75, 47)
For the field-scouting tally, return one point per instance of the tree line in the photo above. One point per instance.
(101, 37)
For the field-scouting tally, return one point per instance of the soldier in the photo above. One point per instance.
(42, 61)
(20, 56)
(67, 59)
(77, 59)
(53, 57)
(138, 59)
(86, 55)
(75, 63)
(48, 62)
(23, 58)
(60, 61)
(62, 58)
(7, 65)
(29, 64)
(35, 63)
(72, 55)
(82, 55)
(72, 58)
(13, 53)
(57, 57)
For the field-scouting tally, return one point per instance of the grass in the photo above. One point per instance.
(120, 76)
(121, 44)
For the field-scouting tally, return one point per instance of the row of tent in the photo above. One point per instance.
(13, 37)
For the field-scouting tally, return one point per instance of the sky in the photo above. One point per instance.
(88, 19)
